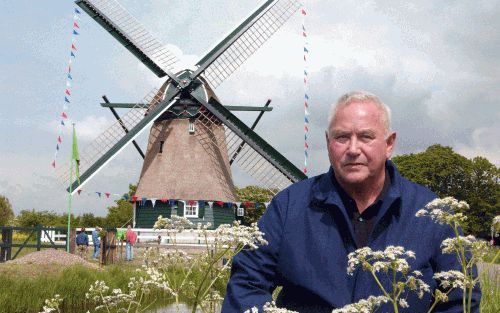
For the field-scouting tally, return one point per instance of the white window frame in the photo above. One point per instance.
(191, 127)
(240, 212)
(187, 207)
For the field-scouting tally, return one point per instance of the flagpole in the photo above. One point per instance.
(70, 193)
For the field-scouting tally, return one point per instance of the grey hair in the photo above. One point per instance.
(361, 96)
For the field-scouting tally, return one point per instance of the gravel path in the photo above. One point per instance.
(52, 256)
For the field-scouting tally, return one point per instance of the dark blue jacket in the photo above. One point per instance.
(82, 239)
(310, 236)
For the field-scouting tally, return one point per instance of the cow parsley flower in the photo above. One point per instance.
(239, 235)
(451, 279)
(52, 305)
(269, 307)
(445, 211)
(363, 306)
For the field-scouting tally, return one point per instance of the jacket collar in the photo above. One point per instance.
(326, 191)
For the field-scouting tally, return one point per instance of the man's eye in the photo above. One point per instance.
(367, 137)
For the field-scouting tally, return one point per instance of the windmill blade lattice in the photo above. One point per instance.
(119, 23)
(107, 140)
(247, 43)
(248, 159)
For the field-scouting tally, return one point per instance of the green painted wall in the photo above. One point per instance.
(222, 215)
(146, 216)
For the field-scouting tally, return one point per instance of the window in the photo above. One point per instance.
(191, 209)
(161, 146)
(240, 212)
(191, 127)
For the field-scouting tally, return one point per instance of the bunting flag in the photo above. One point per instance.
(236, 206)
(67, 92)
(306, 96)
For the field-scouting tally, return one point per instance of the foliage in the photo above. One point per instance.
(449, 174)
(6, 213)
(30, 218)
(121, 214)
(255, 194)
(24, 293)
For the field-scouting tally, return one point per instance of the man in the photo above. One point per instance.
(361, 201)
(130, 237)
(97, 242)
(82, 243)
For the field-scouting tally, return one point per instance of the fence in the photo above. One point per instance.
(34, 234)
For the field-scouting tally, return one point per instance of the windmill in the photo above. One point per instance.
(194, 139)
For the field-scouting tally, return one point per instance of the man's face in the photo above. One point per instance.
(357, 146)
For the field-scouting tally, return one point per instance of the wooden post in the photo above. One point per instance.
(101, 254)
(38, 237)
(6, 249)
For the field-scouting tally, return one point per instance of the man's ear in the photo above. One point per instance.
(391, 143)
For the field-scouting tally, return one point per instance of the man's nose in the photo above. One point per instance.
(353, 147)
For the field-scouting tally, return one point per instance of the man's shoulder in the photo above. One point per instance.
(301, 188)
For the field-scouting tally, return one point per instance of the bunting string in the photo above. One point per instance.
(306, 96)
(63, 116)
(142, 200)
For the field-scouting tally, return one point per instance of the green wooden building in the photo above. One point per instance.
(145, 215)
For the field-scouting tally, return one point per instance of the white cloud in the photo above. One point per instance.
(92, 126)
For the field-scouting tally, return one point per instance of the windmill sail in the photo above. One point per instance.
(130, 33)
(108, 144)
(240, 44)
(256, 157)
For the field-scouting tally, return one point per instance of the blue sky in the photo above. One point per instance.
(435, 64)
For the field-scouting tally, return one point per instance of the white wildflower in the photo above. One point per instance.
(363, 306)
(445, 211)
(52, 305)
(403, 303)
(451, 279)
(450, 245)
(239, 235)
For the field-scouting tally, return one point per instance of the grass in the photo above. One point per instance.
(490, 256)
(490, 288)
(24, 289)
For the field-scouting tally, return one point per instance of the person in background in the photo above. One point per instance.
(131, 238)
(97, 242)
(82, 243)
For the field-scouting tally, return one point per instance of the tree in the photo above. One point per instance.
(255, 194)
(27, 218)
(121, 214)
(448, 173)
(90, 220)
(6, 213)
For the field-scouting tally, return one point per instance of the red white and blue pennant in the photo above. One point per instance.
(63, 116)
(306, 95)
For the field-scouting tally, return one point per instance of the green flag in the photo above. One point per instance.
(76, 156)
